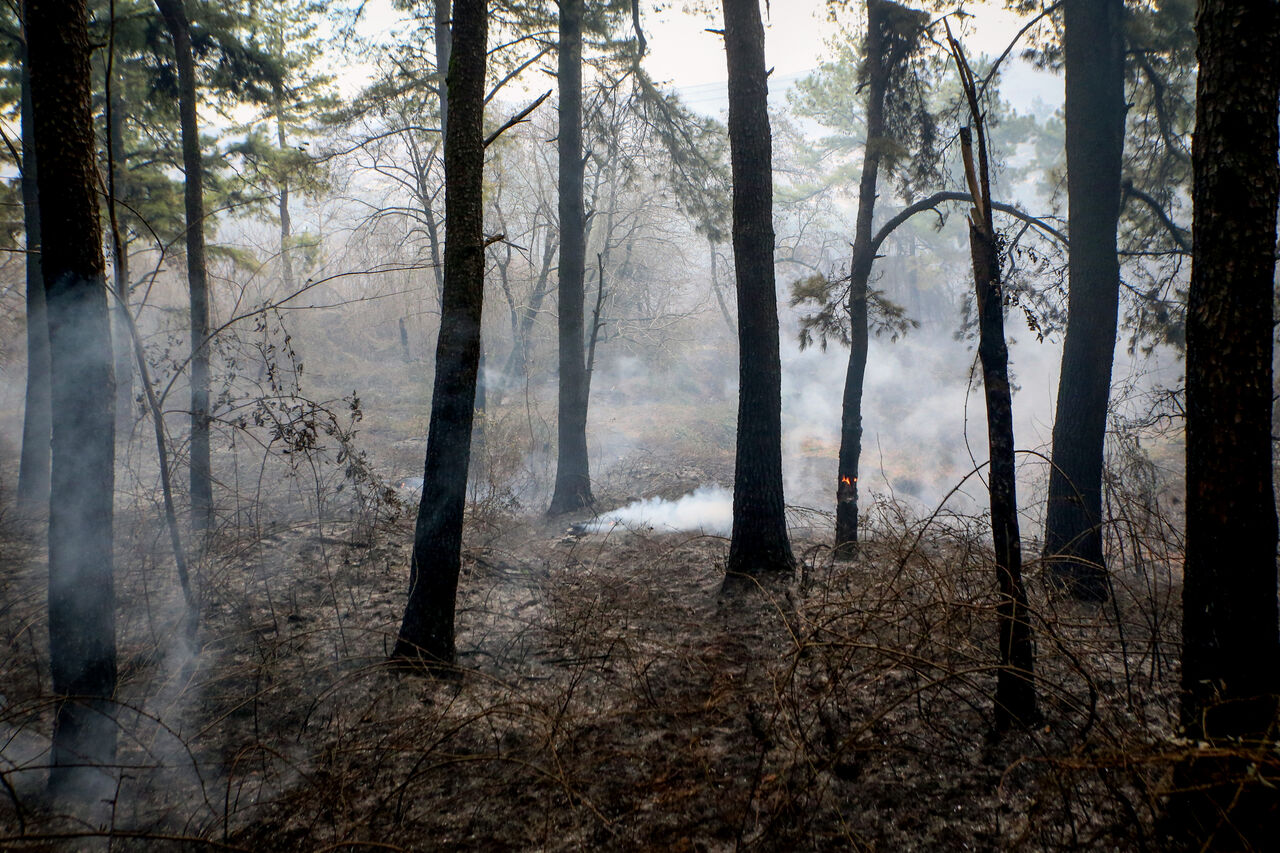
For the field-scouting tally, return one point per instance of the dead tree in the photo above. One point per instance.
(1015, 701)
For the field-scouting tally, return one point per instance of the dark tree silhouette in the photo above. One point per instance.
(426, 634)
(1230, 654)
(573, 473)
(175, 19)
(37, 425)
(759, 542)
(1015, 699)
(82, 650)
(1093, 46)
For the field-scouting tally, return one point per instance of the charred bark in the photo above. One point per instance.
(175, 18)
(82, 650)
(1015, 699)
(573, 472)
(1230, 649)
(427, 632)
(1095, 111)
(846, 543)
(759, 543)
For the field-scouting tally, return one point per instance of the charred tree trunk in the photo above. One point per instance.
(37, 423)
(427, 634)
(1095, 110)
(759, 542)
(175, 18)
(573, 473)
(846, 543)
(82, 650)
(1015, 687)
(1230, 652)
(1015, 700)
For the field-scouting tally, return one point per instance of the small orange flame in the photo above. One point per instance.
(846, 481)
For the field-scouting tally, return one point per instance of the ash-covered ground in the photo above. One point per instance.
(610, 696)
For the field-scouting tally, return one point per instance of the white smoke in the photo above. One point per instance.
(708, 509)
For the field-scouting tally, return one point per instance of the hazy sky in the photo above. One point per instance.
(683, 54)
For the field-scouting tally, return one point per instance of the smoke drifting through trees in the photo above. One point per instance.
(601, 691)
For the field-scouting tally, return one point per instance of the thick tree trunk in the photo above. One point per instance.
(427, 633)
(1230, 649)
(759, 542)
(1095, 110)
(37, 424)
(175, 18)
(82, 650)
(846, 543)
(573, 474)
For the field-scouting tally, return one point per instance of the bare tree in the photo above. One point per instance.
(1015, 700)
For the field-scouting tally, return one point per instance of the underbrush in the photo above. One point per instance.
(610, 696)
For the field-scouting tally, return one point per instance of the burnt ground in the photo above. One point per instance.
(610, 697)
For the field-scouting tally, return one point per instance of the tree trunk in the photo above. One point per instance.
(859, 275)
(82, 649)
(37, 425)
(1230, 653)
(175, 18)
(122, 342)
(715, 289)
(573, 474)
(1015, 700)
(1095, 111)
(286, 222)
(444, 46)
(427, 634)
(759, 543)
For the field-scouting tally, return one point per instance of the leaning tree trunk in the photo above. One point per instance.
(175, 18)
(37, 425)
(573, 473)
(859, 274)
(1095, 109)
(82, 649)
(427, 634)
(759, 543)
(1230, 649)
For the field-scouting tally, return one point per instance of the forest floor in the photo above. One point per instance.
(609, 696)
